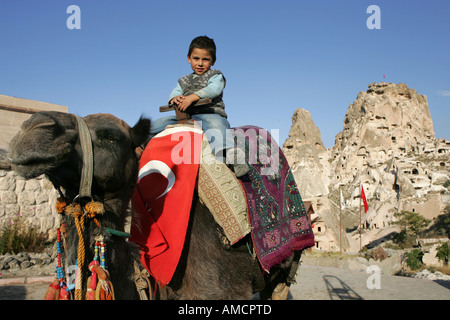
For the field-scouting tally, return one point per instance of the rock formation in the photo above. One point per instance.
(305, 152)
(388, 145)
(385, 122)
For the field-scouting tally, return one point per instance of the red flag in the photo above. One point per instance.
(363, 197)
(163, 198)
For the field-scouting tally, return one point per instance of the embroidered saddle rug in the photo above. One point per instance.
(276, 211)
(223, 195)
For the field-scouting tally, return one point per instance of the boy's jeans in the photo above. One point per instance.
(214, 125)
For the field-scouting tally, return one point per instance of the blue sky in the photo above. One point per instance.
(276, 55)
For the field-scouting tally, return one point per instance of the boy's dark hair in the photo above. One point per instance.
(203, 42)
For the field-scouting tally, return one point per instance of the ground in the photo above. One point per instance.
(313, 283)
(325, 283)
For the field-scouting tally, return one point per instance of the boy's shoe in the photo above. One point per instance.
(235, 159)
(239, 169)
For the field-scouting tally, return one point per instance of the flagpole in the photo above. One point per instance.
(360, 201)
(340, 219)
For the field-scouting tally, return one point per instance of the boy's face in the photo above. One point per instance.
(200, 61)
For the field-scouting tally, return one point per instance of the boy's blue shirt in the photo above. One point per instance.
(214, 88)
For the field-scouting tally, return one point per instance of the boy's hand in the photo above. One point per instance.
(186, 101)
(177, 100)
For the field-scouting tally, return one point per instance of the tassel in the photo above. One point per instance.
(105, 289)
(94, 208)
(53, 291)
(92, 282)
(61, 205)
(90, 294)
(64, 294)
(74, 209)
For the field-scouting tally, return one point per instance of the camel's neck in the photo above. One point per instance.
(115, 213)
(113, 219)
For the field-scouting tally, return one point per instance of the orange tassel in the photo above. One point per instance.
(61, 205)
(93, 208)
(105, 290)
(53, 291)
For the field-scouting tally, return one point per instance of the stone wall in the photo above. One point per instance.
(34, 200)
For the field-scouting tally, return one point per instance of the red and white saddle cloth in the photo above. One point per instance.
(162, 201)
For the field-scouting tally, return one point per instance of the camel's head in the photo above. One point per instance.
(48, 144)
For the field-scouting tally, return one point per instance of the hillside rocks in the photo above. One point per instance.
(391, 264)
(435, 276)
(388, 145)
(10, 263)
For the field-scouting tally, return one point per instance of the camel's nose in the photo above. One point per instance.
(43, 121)
(32, 133)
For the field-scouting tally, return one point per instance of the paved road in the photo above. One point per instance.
(325, 283)
(34, 291)
(313, 283)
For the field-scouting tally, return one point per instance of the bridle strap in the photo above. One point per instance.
(87, 171)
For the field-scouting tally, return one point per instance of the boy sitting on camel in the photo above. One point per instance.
(204, 83)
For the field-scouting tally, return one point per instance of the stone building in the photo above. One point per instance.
(34, 200)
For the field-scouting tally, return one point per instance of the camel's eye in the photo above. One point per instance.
(109, 135)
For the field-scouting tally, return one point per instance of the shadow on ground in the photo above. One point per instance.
(339, 290)
(13, 292)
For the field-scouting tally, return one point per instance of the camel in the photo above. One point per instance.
(48, 143)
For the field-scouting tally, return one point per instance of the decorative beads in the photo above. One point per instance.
(100, 252)
(63, 294)
(103, 256)
(59, 263)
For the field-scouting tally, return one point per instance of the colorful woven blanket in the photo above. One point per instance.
(162, 201)
(277, 214)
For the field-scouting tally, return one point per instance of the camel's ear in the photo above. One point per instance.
(140, 131)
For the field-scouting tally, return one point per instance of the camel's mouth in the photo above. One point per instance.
(34, 163)
(42, 144)
(33, 167)
(30, 162)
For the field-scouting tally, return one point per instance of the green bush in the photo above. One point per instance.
(443, 253)
(18, 236)
(403, 239)
(414, 259)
